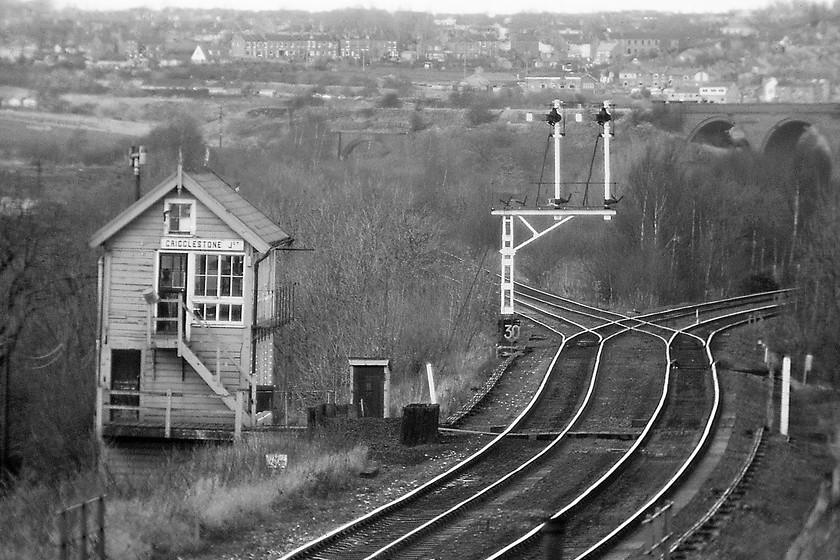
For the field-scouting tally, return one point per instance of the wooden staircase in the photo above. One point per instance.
(180, 343)
(234, 403)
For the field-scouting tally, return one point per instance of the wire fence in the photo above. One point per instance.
(81, 530)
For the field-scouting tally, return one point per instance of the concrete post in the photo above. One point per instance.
(432, 392)
(769, 410)
(784, 418)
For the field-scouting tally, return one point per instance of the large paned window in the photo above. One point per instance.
(217, 293)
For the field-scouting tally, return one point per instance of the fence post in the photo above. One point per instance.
(83, 531)
(100, 542)
(167, 430)
(62, 534)
(237, 428)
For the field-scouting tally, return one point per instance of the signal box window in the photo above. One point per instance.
(172, 284)
(180, 217)
(218, 287)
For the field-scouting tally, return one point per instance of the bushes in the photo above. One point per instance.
(756, 283)
(390, 101)
(479, 114)
(218, 491)
(667, 117)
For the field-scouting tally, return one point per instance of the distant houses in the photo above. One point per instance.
(631, 59)
(492, 82)
(292, 46)
(205, 53)
(17, 98)
(572, 82)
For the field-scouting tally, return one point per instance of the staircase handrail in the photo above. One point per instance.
(204, 324)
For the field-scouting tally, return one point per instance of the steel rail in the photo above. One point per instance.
(689, 462)
(528, 538)
(382, 510)
(324, 540)
(648, 319)
(392, 547)
(460, 506)
(531, 535)
(434, 482)
(727, 493)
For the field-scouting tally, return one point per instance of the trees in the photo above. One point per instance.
(818, 307)
(164, 142)
(39, 274)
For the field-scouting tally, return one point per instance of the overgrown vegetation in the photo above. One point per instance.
(400, 234)
(212, 493)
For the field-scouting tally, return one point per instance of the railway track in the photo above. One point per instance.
(452, 489)
(547, 306)
(504, 470)
(555, 405)
(709, 524)
(605, 513)
(600, 435)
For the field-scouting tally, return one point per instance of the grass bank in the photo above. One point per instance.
(784, 489)
(205, 495)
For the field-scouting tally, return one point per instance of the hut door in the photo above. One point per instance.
(172, 287)
(125, 376)
(370, 390)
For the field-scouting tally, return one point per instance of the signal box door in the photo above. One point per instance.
(369, 390)
(172, 287)
(125, 376)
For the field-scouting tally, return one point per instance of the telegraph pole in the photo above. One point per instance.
(220, 127)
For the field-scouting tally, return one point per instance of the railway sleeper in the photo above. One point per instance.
(624, 436)
(689, 366)
(585, 342)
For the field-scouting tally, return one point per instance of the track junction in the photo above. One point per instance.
(624, 410)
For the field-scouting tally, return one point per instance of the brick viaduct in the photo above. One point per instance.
(762, 126)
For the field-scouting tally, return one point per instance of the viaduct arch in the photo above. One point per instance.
(764, 127)
(385, 141)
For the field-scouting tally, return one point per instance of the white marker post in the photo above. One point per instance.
(784, 419)
(809, 363)
(432, 392)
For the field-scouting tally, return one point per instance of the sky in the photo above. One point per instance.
(494, 7)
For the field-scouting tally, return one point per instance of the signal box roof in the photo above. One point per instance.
(223, 200)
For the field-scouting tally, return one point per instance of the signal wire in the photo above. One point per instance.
(591, 167)
(542, 169)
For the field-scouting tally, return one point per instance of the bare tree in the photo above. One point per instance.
(819, 306)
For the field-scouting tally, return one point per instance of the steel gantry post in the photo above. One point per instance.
(507, 251)
(556, 208)
(607, 177)
(604, 119)
(555, 132)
